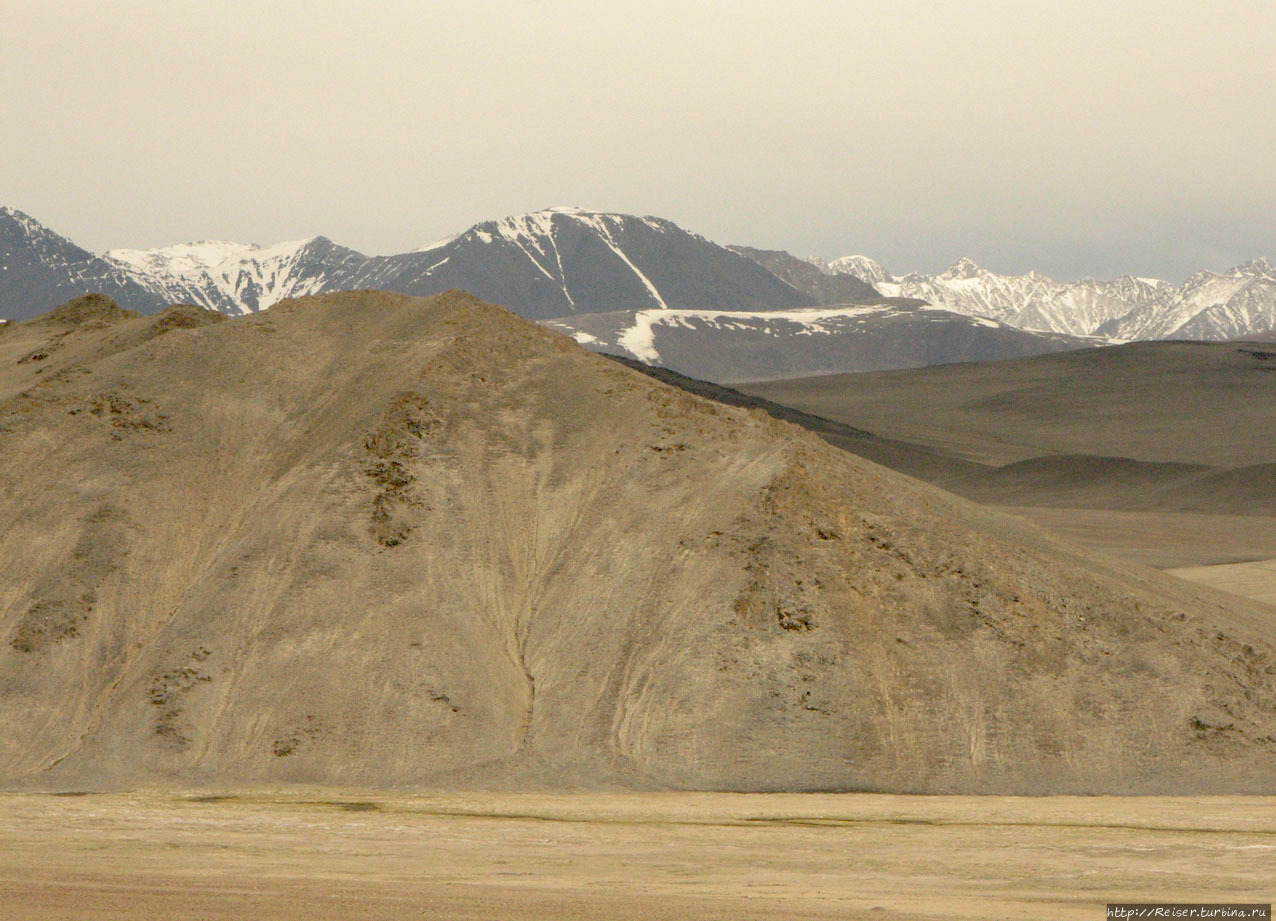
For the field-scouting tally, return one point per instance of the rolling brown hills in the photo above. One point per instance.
(383, 541)
(1177, 402)
(1158, 451)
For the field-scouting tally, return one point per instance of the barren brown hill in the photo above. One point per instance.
(373, 540)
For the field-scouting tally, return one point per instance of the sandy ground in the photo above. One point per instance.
(1228, 552)
(1255, 580)
(1160, 539)
(320, 855)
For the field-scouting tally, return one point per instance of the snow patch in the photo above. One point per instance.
(639, 338)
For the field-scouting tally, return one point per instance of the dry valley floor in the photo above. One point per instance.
(327, 854)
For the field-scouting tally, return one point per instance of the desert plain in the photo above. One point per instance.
(345, 854)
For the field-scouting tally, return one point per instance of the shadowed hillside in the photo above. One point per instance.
(377, 540)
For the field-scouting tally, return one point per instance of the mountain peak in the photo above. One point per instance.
(534, 226)
(286, 248)
(1259, 266)
(964, 267)
(863, 267)
(584, 215)
(25, 223)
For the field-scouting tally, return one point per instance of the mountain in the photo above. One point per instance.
(826, 289)
(735, 345)
(545, 264)
(569, 261)
(39, 270)
(1239, 302)
(862, 267)
(370, 540)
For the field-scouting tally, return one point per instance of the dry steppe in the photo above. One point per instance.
(1189, 403)
(389, 542)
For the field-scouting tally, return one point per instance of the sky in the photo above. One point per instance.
(1081, 138)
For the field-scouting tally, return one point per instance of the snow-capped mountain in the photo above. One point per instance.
(569, 260)
(240, 277)
(863, 267)
(1209, 305)
(728, 346)
(40, 270)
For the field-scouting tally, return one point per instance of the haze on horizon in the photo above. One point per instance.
(1085, 139)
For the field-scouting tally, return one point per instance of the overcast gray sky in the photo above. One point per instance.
(1090, 137)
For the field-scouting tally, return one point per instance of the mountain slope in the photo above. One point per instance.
(1135, 400)
(1102, 430)
(39, 270)
(735, 345)
(825, 288)
(375, 540)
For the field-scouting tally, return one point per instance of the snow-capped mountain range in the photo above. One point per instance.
(549, 263)
(1209, 305)
(567, 261)
(238, 277)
